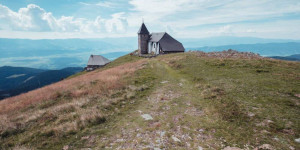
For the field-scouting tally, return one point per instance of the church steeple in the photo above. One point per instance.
(143, 29)
(143, 38)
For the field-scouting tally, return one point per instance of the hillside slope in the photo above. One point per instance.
(178, 101)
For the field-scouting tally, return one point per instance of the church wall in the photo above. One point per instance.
(157, 48)
(143, 43)
(153, 47)
(150, 47)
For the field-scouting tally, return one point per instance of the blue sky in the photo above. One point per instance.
(52, 19)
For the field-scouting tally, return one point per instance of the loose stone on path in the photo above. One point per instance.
(175, 139)
(163, 82)
(147, 117)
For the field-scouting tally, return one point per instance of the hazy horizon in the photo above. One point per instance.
(56, 34)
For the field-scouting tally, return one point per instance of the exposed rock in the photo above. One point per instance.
(265, 131)
(177, 118)
(162, 133)
(288, 131)
(291, 148)
(229, 54)
(194, 111)
(265, 123)
(147, 117)
(175, 139)
(21, 148)
(85, 137)
(66, 147)
(120, 140)
(155, 125)
(250, 114)
(200, 148)
(297, 140)
(90, 140)
(264, 147)
(163, 82)
(231, 148)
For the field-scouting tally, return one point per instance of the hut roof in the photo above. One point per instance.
(98, 60)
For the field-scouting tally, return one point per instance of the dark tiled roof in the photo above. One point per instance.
(143, 30)
(97, 60)
(167, 43)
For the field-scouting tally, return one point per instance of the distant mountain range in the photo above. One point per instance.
(290, 58)
(16, 80)
(61, 53)
(229, 40)
(264, 49)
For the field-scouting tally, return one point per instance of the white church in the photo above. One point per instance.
(157, 42)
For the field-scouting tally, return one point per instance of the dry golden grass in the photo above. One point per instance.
(73, 103)
(92, 83)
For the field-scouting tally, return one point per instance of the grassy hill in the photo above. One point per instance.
(179, 101)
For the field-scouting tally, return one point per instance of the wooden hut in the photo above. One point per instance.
(96, 61)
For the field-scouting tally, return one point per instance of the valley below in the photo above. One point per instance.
(17, 80)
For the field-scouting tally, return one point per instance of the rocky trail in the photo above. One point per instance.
(166, 119)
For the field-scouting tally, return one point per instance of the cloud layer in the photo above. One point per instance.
(197, 18)
(182, 18)
(36, 19)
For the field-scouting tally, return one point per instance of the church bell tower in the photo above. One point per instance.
(143, 38)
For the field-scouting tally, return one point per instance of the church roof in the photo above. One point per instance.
(143, 29)
(156, 36)
(167, 43)
(98, 60)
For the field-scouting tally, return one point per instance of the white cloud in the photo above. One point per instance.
(101, 4)
(105, 4)
(159, 6)
(117, 23)
(202, 12)
(224, 30)
(188, 18)
(160, 11)
(283, 29)
(250, 31)
(198, 18)
(35, 19)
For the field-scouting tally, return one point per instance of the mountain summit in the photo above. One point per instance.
(192, 100)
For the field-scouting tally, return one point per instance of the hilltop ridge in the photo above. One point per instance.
(190, 100)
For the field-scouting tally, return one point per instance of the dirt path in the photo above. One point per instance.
(166, 119)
